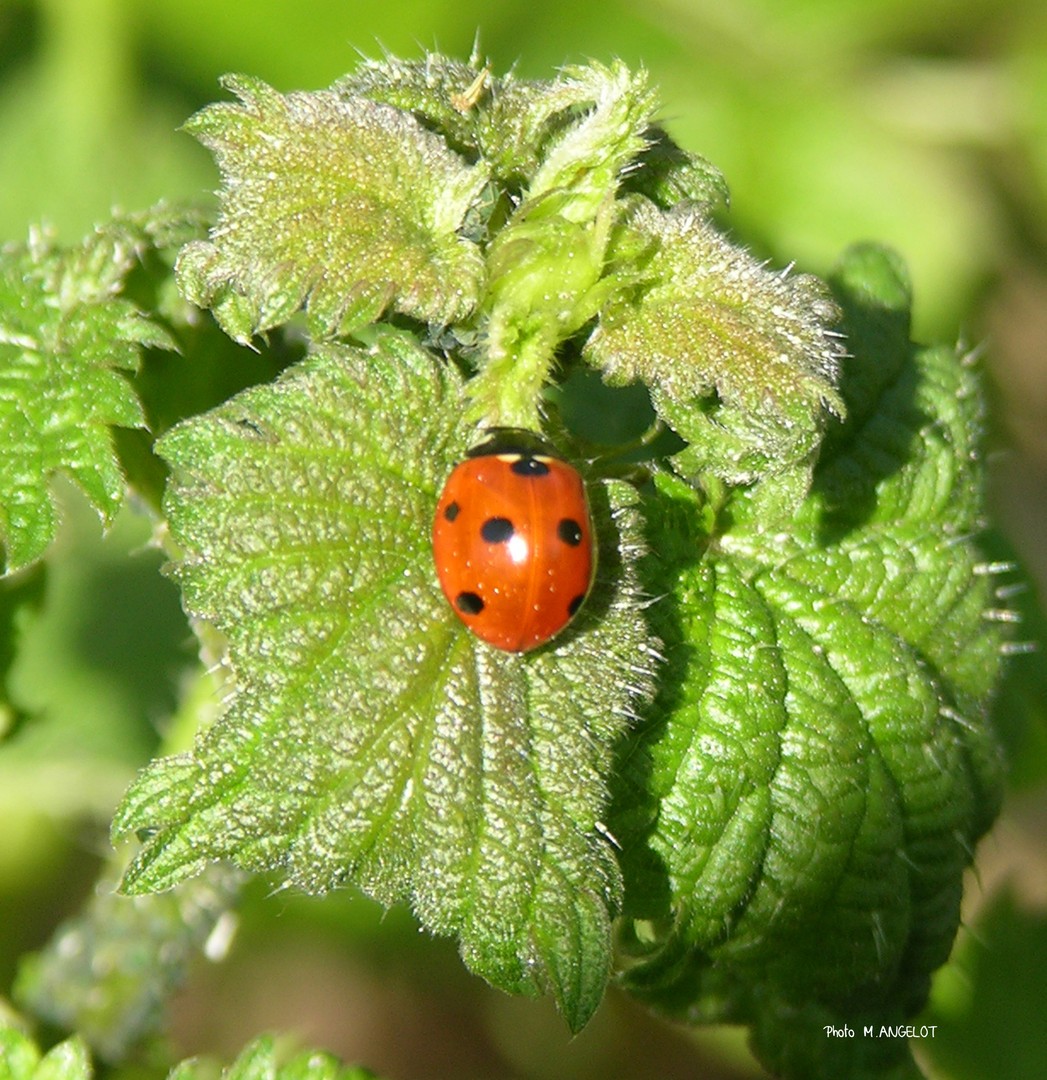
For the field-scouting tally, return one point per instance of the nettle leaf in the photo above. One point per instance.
(586, 160)
(344, 205)
(263, 1060)
(20, 1059)
(805, 808)
(546, 267)
(740, 361)
(446, 94)
(66, 338)
(372, 738)
(519, 126)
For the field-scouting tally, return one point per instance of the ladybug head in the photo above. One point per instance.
(509, 440)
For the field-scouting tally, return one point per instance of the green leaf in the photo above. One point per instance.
(741, 362)
(667, 174)
(108, 972)
(344, 205)
(585, 162)
(447, 95)
(546, 266)
(18, 1055)
(263, 1059)
(66, 339)
(20, 1059)
(797, 824)
(582, 128)
(561, 149)
(372, 738)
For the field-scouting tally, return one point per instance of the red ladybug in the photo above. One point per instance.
(513, 541)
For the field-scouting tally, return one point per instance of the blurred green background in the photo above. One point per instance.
(920, 124)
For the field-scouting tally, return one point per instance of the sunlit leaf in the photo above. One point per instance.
(263, 1059)
(21, 1059)
(824, 764)
(67, 341)
(373, 739)
(343, 205)
(741, 361)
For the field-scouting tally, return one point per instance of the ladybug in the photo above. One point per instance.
(513, 541)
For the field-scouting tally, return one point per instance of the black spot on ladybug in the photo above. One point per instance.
(575, 604)
(468, 603)
(451, 511)
(529, 466)
(569, 531)
(497, 530)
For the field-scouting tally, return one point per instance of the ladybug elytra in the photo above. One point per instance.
(513, 541)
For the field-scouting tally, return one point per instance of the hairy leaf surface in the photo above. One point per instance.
(824, 764)
(66, 339)
(344, 205)
(740, 361)
(580, 129)
(372, 738)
